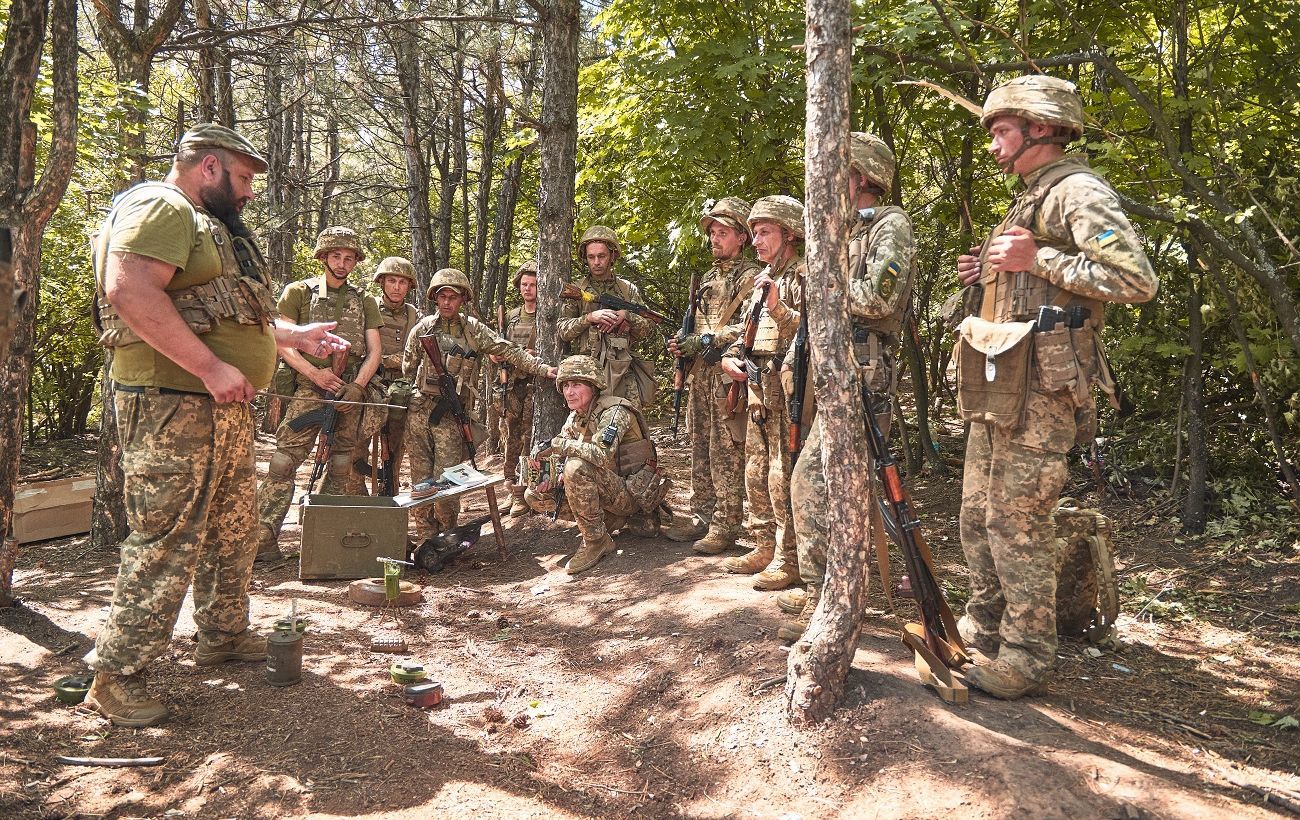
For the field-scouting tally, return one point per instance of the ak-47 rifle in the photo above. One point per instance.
(800, 373)
(326, 416)
(683, 363)
(934, 640)
(735, 392)
(450, 399)
(503, 368)
(605, 300)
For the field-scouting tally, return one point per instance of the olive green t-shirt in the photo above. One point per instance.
(295, 302)
(157, 220)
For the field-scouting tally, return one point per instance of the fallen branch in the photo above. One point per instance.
(110, 762)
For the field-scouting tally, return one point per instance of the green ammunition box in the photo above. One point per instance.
(342, 535)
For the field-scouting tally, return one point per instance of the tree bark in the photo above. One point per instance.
(819, 661)
(493, 115)
(418, 215)
(1194, 501)
(559, 147)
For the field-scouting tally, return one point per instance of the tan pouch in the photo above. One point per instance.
(649, 487)
(1054, 357)
(632, 456)
(993, 371)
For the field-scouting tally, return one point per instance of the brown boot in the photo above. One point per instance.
(246, 646)
(124, 700)
(781, 573)
(1002, 680)
(518, 507)
(688, 530)
(714, 542)
(791, 631)
(752, 561)
(268, 547)
(791, 601)
(589, 554)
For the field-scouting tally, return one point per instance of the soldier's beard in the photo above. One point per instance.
(220, 201)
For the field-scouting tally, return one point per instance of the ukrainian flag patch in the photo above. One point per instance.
(1106, 237)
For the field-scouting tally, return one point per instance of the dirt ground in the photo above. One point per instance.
(649, 686)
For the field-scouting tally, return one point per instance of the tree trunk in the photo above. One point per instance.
(559, 147)
(413, 153)
(1194, 502)
(333, 162)
(819, 661)
(493, 114)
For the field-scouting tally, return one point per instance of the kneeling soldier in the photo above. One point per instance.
(611, 474)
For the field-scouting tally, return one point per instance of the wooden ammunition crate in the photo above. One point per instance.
(342, 535)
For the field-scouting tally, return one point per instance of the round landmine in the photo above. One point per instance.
(370, 592)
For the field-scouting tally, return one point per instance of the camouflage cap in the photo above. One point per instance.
(528, 268)
(449, 278)
(396, 266)
(871, 157)
(731, 211)
(1037, 98)
(785, 211)
(579, 369)
(212, 135)
(337, 238)
(599, 233)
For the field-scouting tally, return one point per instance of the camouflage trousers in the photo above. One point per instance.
(517, 411)
(1010, 486)
(598, 498)
(433, 448)
(190, 485)
(810, 502)
(717, 458)
(376, 422)
(767, 469)
(292, 448)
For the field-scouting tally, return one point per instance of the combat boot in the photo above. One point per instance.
(752, 561)
(246, 646)
(1002, 680)
(589, 554)
(781, 573)
(518, 507)
(688, 530)
(714, 542)
(268, 548)
(791, 631)
(791, 600)
(124, 700)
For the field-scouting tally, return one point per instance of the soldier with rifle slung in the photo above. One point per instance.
(395, 277)
(435, 436)
(325, 298)
(604, 334)
(881, 251)
(717, 433)
(776, 224)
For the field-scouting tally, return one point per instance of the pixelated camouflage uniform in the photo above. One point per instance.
(881, 249)
(517, 401)
(626, 373)
(1013, 477)
(397, 323)
(274, 495)
(435, 447)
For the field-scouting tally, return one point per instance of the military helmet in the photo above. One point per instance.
(1037, 98)
(449, 278)
(579, 369)
(212, 135)
(395, 266)
(731, 211)
(785, 211)
(871, 157)
(599, 233)
(527, 268)
(337, 238)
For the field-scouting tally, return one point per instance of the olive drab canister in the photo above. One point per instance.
(338, 238)
(871, 157)
(1037, 98)
(284, 657)
(731, 211)
(599, 233)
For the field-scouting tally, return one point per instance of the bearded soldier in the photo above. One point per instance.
(328, 297)
(1063, 251)
(435, 437)
(610, 474)
(717, 433)
(608, 335)
(776, 223)
(517, 394)
(183, 299)
(881, 249)
(395, 277)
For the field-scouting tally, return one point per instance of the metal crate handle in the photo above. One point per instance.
(355, 540)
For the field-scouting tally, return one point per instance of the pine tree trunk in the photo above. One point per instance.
(819, 661)
(1194, 502)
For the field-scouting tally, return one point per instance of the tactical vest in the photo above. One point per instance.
(768, 340)
(240, 291)
(1017, 296)
(598, 342)
(392, 334)
(719, 302)
(635, 448)
(458, 358)
(521, 328)
(346, 306)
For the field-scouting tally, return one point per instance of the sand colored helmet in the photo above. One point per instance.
(599, 233)
(337, 238)
(1037, 98)
(731, 211)
(396, 266)
(212, 135)
(528, 268)
(871, 157)
(449, 278)
(579, 369)
(785, 211)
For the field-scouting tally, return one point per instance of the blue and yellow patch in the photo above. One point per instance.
(888, 279)
(1106, 237)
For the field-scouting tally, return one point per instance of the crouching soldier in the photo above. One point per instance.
(611, 476)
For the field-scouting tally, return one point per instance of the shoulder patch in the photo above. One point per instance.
(1105, 238)
(889, 279)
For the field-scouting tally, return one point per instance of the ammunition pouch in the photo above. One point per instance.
(399, 393)
(634, 455)
(649, 487)
(993, 371)
(373, 418)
